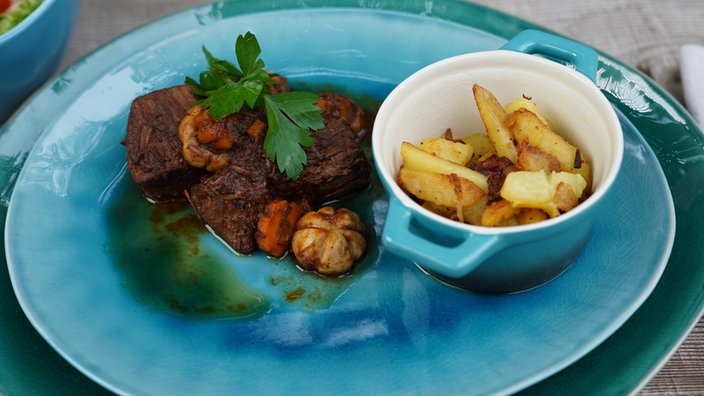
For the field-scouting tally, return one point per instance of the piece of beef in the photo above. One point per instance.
(340, 108)
(279, 84)
(337, 167)
(231, 200)
(154, 156)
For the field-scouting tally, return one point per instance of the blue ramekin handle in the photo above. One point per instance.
(535, 42)
(454, 260)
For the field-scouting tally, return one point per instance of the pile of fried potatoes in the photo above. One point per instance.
(520, 172)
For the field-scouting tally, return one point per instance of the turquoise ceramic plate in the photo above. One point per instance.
(75, 224)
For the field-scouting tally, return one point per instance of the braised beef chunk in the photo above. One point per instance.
(341, 108)
(154, 156)
(279, 84)
(336, 168)
(231, 200)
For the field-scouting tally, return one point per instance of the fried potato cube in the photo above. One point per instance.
(526, 189)
(531, 215)
(565, 198)
(443, 190)
(585, 170)
(415, 158)
(499, 213)
(481, 146)
(525, 125)
(444, 211)
(574, 180)
(472, 214)
(525, 103)
(532, 159)
(494, 118)
(457, 152)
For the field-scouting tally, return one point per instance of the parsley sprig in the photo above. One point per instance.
(291, 116)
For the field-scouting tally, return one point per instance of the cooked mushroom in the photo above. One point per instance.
(195, 131)
(329, 241)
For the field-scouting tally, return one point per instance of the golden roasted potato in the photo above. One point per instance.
(525, 189)
(525, 103)
(574, 180)
(481, 146)
(531, 215)
(442, 190)
(525, 125)
(565, 198)
(457, 152)
(494, 118)
(499, 213)
(532, 159)
(585, 169)
(445, 211)
(473, 214)
(415, 158)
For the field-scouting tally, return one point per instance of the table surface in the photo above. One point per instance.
(645, 34)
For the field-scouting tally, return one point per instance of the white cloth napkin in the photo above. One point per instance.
(692, 71)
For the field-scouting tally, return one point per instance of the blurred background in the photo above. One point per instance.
(646, 34)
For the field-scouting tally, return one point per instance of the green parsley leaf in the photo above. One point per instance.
(225, 88)
(290, 117)
(247, 51)
(221, 66)
(225, 100)
(299, 107)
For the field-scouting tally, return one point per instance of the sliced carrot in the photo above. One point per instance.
(257, 130)
(277, 225)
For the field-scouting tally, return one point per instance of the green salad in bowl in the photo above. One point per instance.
(13, 12)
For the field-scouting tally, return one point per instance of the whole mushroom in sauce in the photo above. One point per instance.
(329, 241)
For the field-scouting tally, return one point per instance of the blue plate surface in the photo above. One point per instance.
(387, 329)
